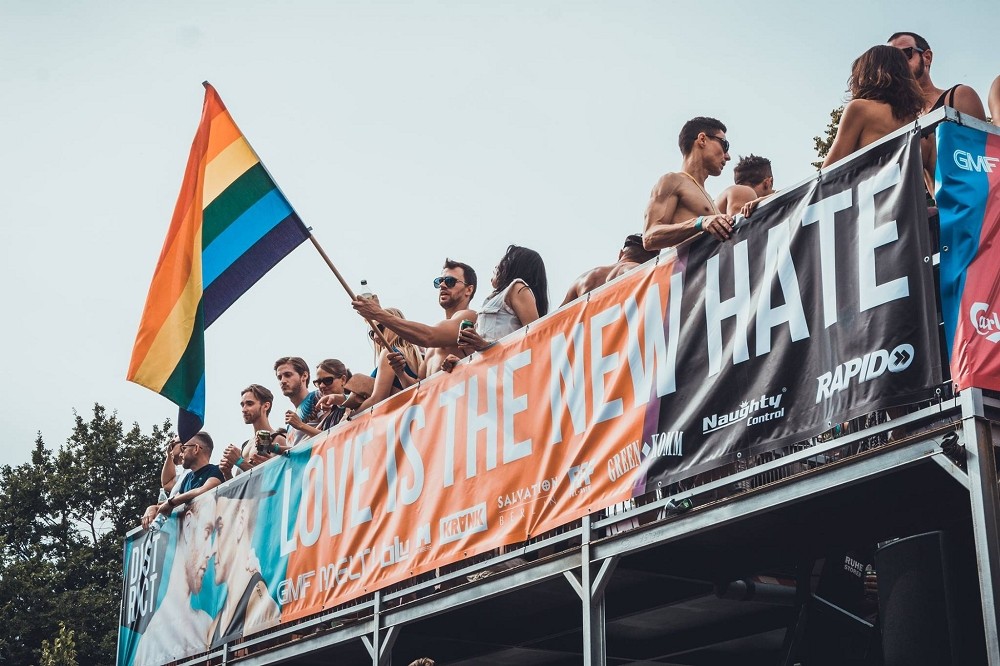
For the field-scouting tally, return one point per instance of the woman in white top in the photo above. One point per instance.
(520, 296)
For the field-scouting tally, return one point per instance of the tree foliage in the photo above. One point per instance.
(62, 534)
(823, 144)
(62, 651)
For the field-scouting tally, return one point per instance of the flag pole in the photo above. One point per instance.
(322, 253)
(347, 287)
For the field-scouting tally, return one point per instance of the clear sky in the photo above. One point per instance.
(402, 132)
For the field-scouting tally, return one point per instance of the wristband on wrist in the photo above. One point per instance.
(239, 462)
(170, 502)
(698, 224)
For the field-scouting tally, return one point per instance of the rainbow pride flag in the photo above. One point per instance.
(231, 225)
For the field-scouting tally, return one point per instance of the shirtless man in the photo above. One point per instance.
(631, 255)
(178, 629)
(679, 207)
(960, 97)
(753, 179)
(456, 286)
(920, 56)
(248, 606)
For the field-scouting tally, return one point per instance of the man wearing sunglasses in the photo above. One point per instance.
(455, 286)
(920, 56)
(202, 476)
(679, 207)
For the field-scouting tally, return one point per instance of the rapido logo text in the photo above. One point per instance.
(862, 369)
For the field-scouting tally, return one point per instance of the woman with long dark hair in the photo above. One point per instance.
(520, 296)
(884, 97)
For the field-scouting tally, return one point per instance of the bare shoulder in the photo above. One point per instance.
(860, 108)
(733, 197)
(667, 184)
(967, 101)
(463, 314)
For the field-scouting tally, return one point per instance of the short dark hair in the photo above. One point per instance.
(693, 128)
(752, 170)
(296, 362)
(262, 393)
(467, 271)
(205, 439)
(633, 249)
(918, 40)
(524, 263)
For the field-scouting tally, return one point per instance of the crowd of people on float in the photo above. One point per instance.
(890, 87)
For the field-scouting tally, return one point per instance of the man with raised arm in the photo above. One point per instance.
(679, 207)
(202, 476)
(754, 181)
(168, 474)
(632, 254)
(456, 286)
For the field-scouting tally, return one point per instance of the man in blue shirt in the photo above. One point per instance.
(201, 476)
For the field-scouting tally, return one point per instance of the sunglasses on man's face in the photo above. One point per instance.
(722, 142)
(447, 281)
(908, 51)
(324, 381)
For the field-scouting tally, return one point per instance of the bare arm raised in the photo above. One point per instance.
(442, 334)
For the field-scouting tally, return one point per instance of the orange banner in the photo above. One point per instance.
(505, 448)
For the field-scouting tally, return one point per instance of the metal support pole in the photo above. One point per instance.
(594, 639)
(377, 629)
(385, 656)
(985, 500)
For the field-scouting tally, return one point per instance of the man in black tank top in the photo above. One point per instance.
(920, 56)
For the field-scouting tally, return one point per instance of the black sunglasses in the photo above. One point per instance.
(448, 281)
(908, 51)
(722, 142)
(381, 329)
(324, 381)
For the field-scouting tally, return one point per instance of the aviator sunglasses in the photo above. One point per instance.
(908, 51)
(448, 281)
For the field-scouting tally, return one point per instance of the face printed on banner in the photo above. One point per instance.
(230, 537)
(197, 531)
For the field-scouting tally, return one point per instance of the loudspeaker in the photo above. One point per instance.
(928, 603)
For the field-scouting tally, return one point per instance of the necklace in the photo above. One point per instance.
(710, 200)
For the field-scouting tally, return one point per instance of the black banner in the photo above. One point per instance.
(819, 309)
